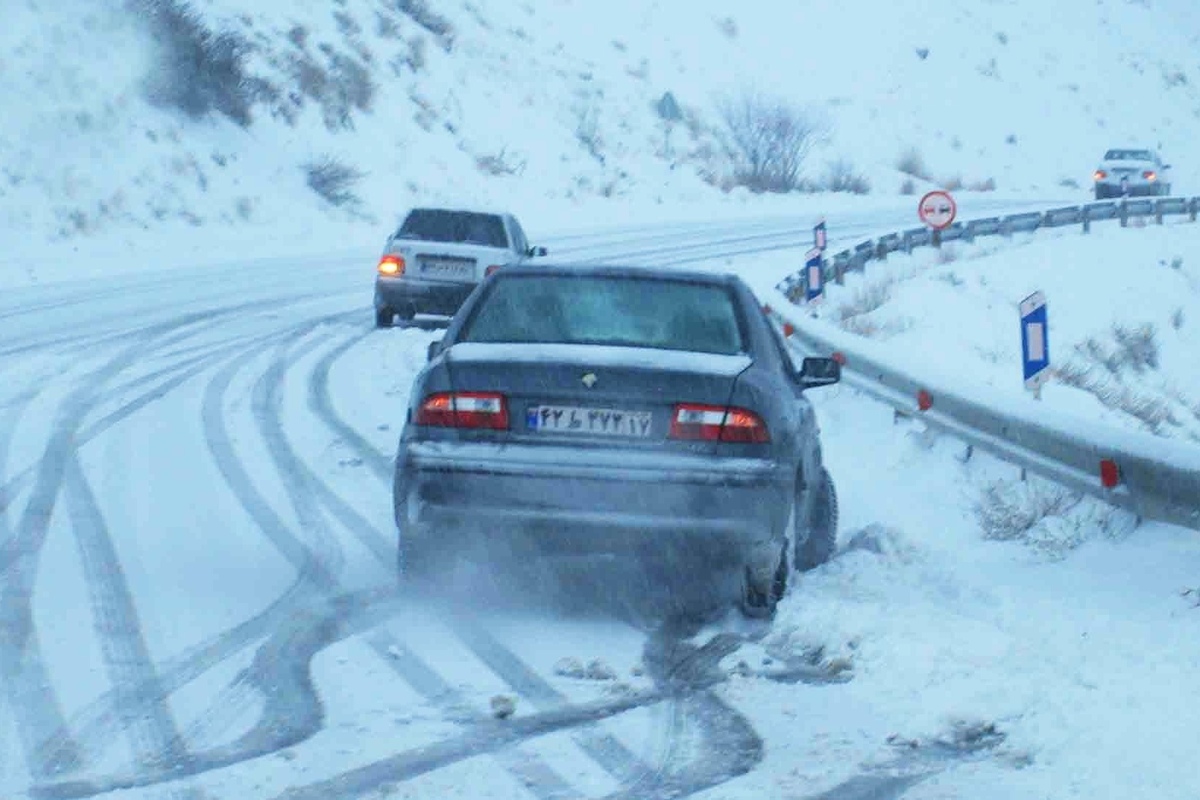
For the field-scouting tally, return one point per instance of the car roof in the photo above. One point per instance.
(458, 210)
(541, 267)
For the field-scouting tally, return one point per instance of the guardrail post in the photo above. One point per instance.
(1124, 212)
(936, 237)
(1158, 212)
(1192, 210)
(1006, 228)
(1087, 219)
(881, 250)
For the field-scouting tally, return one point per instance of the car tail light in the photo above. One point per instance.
(717, 424)
(1150, 175)
(1099, 175)
(491, 269)
(464, 410)
(391, 265)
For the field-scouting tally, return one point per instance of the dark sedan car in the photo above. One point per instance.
(581, 410)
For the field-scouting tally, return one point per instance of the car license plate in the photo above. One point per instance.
(601, 421)
(447, 269)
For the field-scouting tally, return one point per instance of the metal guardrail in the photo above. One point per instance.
(1159, 479)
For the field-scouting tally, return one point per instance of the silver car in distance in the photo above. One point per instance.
(586, 410)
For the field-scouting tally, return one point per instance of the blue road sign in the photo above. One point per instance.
(814, 275)
(819, 236)
(1035, 342)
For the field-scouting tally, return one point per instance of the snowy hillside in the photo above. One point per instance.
(548, 107)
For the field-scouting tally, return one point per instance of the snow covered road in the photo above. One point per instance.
(199, 594)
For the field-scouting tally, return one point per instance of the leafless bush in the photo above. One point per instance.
(1007, 511)
(865, 300)
(947, 254)
(1175, 78)
(1069, 183)
(841, 177)
(770, 140)
(587, 131)
(911, 162)
(347, 25)
(416, 54)
(386, 26)
(196, 70)
(498, 164)
(340, 88)
(419, 12)
(1134, 347)
(908, 187)
(1177, 318)
(333, 180)
(1153, 412)
(728, 26)
(986, 185)
(953, 183)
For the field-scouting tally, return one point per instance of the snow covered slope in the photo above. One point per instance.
(548, 107)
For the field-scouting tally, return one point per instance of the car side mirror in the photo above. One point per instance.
(536, 251)
(435, 347)
(816, 371)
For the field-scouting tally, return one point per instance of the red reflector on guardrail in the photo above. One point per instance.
(788, 329)
(924, 400)
(1110, 473)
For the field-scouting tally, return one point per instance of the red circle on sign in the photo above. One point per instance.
(937, 209)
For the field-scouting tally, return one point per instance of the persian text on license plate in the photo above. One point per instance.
(448, 269)
(573, 419)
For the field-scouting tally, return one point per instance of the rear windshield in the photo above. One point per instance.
(436, 225)
(626, 311)
(1128, 155)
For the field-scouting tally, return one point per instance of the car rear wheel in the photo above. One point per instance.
(383, 317)
(406, 314)
(822, 527)
(760, 596)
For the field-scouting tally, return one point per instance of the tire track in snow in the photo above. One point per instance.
(98, 722)
(531, 770)
(603, 748)
(311, 572)
(47, 743)
(145, 714)
(321, 402)
(279, 673)
(49, 746)
(267, 405)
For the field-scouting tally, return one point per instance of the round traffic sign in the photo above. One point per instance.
(937, 209)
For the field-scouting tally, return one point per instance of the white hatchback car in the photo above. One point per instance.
(1130, 171)
(438, 256)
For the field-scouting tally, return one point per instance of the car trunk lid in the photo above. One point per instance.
(595, 394)
(448, 262)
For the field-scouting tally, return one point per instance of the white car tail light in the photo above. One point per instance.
(717, 424)
(391, 265)
(487, 410)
